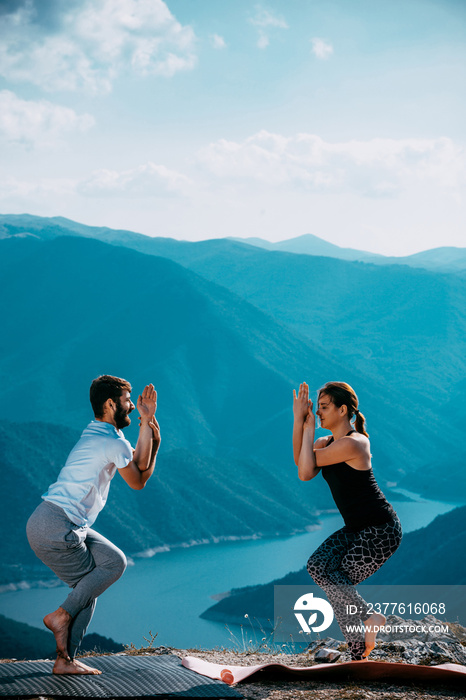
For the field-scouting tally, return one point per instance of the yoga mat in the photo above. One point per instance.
(122, 677)
(350, 670)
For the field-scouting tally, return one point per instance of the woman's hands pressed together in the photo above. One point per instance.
(303, 407)
(303, 433)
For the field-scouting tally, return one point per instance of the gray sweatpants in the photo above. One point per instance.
(79, 556)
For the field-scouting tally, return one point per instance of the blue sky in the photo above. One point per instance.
(205, 118)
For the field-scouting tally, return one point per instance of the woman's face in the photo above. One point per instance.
(328, 413)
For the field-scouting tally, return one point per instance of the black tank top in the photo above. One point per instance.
(357, 495)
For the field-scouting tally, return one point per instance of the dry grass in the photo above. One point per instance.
(459, 631)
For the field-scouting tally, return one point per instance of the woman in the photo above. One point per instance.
(372, 531)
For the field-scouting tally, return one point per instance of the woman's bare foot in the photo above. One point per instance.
(372, 624)
(58, 622)
(64, 667)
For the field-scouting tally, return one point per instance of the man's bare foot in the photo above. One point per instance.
(80, 663)
(372, 624)
(58, 622)
(64, 667)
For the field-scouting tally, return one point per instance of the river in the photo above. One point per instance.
(166, 593)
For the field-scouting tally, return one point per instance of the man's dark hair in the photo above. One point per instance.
(106, 387)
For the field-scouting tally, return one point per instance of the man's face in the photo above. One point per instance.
(124, 406)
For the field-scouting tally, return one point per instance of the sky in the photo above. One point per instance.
(200, 119)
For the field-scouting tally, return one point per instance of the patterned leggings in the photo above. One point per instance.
(345, 559)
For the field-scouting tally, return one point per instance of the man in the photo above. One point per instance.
(59, 531)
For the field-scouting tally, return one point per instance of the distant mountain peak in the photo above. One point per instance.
(310, 244)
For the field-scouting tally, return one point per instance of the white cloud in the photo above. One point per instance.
(375, 168)
(149, 180)
(37, 123)
(218, 42)
(145, 181)
(321, 48)
(263, 40)
(90, 42)
(26, 192)
(264, 19)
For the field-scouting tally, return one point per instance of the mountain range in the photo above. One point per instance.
(225, 330)
(445, 258)
(404, 327)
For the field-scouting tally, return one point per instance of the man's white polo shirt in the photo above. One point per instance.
(82, 485)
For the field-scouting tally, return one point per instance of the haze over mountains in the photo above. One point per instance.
(225, 330)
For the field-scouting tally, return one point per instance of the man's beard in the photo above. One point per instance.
(121, 417)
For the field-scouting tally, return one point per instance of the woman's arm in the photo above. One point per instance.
(307, 466)
(346, 449)
(300, 408)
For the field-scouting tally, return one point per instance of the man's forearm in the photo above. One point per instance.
(143, 452)
(147, 473)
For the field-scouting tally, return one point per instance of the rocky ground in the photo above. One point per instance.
(415, 645)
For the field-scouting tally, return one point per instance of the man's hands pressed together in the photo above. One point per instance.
(147, 403)
(147, 406)
(141, 468)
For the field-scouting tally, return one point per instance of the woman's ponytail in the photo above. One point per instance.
(360, 423)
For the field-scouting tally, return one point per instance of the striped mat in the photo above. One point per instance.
(122, 677)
